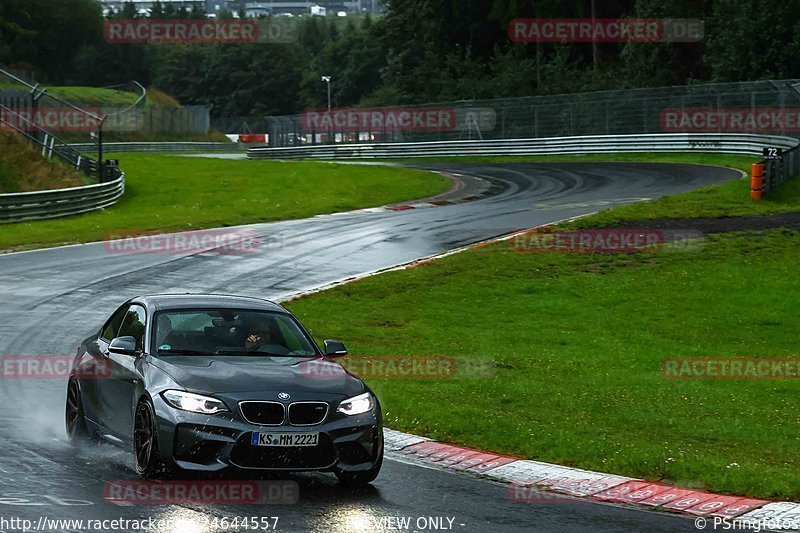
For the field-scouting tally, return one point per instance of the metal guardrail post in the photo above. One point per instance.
(100, 152)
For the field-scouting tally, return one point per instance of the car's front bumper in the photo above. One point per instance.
(206, 443)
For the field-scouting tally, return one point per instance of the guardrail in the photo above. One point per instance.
(17, 207)
(165, 147)
(777, 170)
(727, 143)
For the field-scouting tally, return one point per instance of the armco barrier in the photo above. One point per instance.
(777, 170)
(727, 143)
(17, 207)
(164, 147)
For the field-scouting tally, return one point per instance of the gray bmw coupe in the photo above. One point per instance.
(209, 383)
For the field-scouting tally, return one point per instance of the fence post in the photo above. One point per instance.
(757, 181)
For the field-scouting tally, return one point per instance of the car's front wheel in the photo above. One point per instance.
(145, 442)
(359, 479)
(75, 420)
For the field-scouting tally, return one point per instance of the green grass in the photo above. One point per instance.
(87, 96)
(731, 199)
(93, 95)
(576, 342)
(167, 193)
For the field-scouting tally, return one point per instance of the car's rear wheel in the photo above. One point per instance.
(145, 442)
(75, 420)
(359, 479)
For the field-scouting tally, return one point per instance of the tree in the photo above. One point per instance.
(197, 12)
(15, 32)
(753, 39)
(128, 11)
(48, 35)
(157, 11)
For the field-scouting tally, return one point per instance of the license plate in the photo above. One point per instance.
(284, 439)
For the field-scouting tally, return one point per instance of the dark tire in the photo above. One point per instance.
(359, 479)
(74, 419)
(146, 455)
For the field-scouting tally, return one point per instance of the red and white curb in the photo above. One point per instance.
(592, 486)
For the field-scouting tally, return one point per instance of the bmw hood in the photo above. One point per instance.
(226, 374)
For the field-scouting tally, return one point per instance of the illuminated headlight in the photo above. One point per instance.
(357, 404)
(194, 402)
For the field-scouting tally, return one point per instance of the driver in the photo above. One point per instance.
(259, 334)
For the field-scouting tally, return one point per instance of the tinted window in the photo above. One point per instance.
(112, 326)
(133, 325)
(229, 332)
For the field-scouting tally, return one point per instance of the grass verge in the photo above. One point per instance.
(170, 193)
(575, 343)
(23, 169)
(98, 96)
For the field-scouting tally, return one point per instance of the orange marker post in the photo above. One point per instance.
(757, 181)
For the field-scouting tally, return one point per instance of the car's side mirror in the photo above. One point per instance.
(124, 346)
(334, 349)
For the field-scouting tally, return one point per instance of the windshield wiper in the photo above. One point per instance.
(184, 352)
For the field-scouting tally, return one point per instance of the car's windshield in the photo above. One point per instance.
(229, 332)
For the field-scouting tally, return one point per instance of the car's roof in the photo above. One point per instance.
(188, 301)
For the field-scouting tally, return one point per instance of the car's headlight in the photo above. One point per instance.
(357, 404)
(195, 403)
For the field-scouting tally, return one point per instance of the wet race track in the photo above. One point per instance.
(50, 300)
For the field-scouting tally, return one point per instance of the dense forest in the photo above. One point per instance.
(419, 51)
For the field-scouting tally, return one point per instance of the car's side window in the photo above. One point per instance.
(134, 324)
(111, 327)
